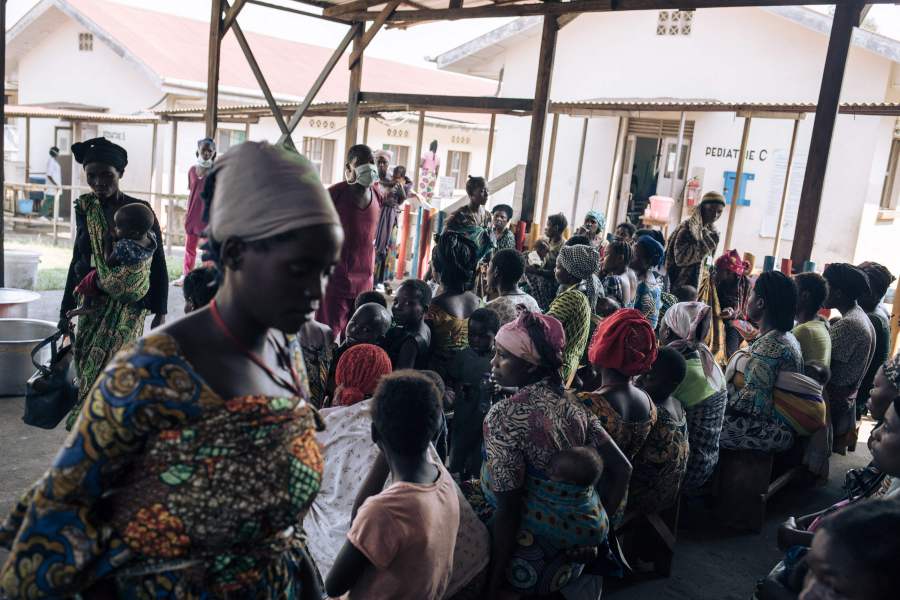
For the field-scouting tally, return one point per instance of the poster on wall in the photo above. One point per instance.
(446, 185)
(776, 187)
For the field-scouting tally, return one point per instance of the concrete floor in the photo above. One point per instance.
(711, 563)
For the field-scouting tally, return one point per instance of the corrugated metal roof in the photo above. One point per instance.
(585, 107)
(41, 112)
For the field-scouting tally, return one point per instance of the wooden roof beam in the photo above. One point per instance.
(232, 14)
(449, 103)
(562, 8)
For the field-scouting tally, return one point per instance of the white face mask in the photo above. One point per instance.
(206, 164)
(366, 175)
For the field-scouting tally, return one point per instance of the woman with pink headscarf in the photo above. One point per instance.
(521, 435)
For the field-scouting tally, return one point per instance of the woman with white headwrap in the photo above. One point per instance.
(198, 441)
(703, 392)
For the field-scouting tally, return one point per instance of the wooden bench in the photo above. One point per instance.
(649, 539)
(744, 483)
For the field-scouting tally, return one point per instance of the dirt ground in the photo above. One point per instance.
(711, 562)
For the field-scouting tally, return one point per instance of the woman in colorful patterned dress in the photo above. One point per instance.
(194, 459)
(648, 255)
(130, 290)
(521, 435)
(750, 420)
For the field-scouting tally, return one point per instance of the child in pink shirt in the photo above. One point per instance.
(401, 542)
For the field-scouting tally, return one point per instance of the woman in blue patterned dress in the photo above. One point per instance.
(648, 255)
(194, 458)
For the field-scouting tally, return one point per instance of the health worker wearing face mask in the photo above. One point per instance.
(193, 220)
(358, 203)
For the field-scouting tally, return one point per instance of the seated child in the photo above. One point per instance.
(401, 543)
(200, 287)
(685, 293)
(129, 243)
(617, 280)
(468, 375)
(368, 325)
(408, 340)
(370, 296)
(661, 463)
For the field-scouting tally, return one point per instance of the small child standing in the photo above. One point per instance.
(401, 543)
(614, 272)
(194, 225)
(408, 340)
(468, 375)
(130, 243)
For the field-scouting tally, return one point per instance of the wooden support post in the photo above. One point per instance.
(366, 130)
(154, 199)
(736, 190)
(76, 179)
(367, 38)
(615, 176)
(846, 17)
(417, 159)
(353, 96)
(584, 129)
(27, 148)
(212, 74)
(320, 81)
(172, 166)
(784, 190)
(231, 15)
(548, 177)
(490, 148)
(539, 115)
(895, 325)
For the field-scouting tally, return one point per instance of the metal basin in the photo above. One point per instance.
(17, 338)
(14, 302)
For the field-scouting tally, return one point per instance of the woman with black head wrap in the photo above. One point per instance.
(852, 348)
(130, 291)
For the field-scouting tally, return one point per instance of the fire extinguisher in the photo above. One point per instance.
(693, 191)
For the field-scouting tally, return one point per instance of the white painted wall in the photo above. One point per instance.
(731, 55)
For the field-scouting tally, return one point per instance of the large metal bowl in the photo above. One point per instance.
(17, 338)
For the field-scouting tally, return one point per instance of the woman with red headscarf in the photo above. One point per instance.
(624, 345)
(521, 435)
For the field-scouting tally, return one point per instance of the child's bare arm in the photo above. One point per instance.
(348, 567)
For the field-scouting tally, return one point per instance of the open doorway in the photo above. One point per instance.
(649, 165)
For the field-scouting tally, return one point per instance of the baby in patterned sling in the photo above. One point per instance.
(129, 243)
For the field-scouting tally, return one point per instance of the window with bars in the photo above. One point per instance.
(401, 156)
(458, 167)
(86, 42)
(891, 190)
(320, 153)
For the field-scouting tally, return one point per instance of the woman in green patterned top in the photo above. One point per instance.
(130, 291)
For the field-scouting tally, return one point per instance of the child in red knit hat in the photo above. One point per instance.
(358, 372)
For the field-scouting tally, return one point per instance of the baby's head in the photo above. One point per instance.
(817, 370)
(606, 306)
(368, 324)
(133, 221)
(580, 466)
(200, 287)
(542, 247)
(399, 173)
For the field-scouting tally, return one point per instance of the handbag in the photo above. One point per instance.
(51, 391)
